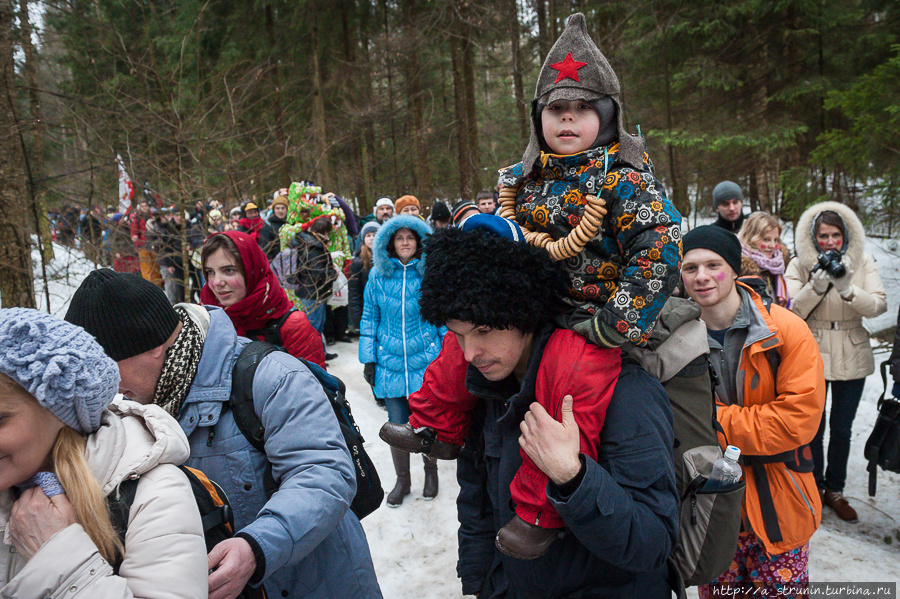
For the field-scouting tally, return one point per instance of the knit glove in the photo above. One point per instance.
(369, 373)
(820, 281)
(843, 285)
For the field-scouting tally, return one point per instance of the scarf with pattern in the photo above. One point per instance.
(180, 366)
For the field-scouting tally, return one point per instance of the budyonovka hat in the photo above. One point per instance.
(575, 69)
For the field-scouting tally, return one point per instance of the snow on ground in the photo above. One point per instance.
(414, 546)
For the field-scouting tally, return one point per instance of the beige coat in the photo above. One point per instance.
(165, 554)
(836, 323)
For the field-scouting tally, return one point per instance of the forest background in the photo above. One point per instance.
(795, 100)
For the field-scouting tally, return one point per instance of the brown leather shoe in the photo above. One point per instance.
(839, 504)
(522, 540)
(405, 437)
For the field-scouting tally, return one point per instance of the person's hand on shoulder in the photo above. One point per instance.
(231, 564)
(35, 518)
(552, 445)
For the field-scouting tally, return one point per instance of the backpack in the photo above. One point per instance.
(677, 354)
(216, 515)
(369, 493)
(883, 444)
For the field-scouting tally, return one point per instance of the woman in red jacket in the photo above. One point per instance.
(239, 279)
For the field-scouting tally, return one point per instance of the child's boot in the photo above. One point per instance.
(522, 540)
(402, 486)
(430, 489)
(417, 440)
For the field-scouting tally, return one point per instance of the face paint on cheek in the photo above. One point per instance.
(720, 277)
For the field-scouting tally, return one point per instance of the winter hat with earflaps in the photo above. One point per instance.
(575, 69)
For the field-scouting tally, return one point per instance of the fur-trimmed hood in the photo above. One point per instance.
(804, 237)
(383, 262)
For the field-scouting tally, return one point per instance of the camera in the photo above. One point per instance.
(830, 262)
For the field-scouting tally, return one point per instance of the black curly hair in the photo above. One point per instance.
(488, 280)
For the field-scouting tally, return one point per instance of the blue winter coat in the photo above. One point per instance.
(621, 518)
(307, 541)
(392, 333)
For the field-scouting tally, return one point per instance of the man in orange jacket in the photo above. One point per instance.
(771, 393)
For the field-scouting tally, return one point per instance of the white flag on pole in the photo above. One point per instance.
(126, 187)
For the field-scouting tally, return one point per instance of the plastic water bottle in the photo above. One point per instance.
(726, 471)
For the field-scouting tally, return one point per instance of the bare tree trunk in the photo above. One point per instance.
(460, 114)
(318, 110)
(543, 34)
(471, 114)
(421, 171)
(516, 68)
(16, 279)
(390, 89)
(286, 158)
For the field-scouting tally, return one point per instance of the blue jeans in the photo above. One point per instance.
(845, 396)
(315, 312)
(398, 409)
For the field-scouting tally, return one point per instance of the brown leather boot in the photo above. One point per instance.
(522, 540)
(430, 490)
(402, 486)
(405, 437)
(840, 505)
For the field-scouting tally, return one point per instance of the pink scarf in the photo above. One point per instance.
(774, 266)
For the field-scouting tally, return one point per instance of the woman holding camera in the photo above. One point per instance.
(833, 285)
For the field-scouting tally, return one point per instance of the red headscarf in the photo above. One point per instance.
(265, 298)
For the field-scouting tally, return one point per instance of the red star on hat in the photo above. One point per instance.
(568, 68)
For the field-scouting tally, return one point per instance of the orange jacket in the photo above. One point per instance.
(774, 416)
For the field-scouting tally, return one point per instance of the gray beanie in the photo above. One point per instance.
(726, 190)
(58, 363)
(370, 227)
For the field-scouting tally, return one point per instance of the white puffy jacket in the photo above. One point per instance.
(836, 323)
(165, 554)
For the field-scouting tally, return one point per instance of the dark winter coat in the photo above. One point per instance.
(170, 240)
(730, 225)
(268, 237)
(306, 268)
(895, 359)
(357, 279)
(622, 516)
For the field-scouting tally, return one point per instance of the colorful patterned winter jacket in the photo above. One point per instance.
(619, 283)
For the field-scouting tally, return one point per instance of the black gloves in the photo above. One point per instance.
(369, 373)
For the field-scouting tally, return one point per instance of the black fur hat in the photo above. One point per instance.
(481, 278)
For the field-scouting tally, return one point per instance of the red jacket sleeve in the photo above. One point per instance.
(301, 340)
(443, 403)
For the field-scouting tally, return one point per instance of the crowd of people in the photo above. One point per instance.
(514, 334)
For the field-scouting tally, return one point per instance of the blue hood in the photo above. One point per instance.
(383, 262)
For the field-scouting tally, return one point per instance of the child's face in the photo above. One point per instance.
(569, 126)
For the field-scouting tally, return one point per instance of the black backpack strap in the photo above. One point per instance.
(241, 402)
(119, 504)
(271, 333)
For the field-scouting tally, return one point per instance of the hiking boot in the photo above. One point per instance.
(421, 440)
(840, 505)
(430, 490)
(522, 540)
(402, 486)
